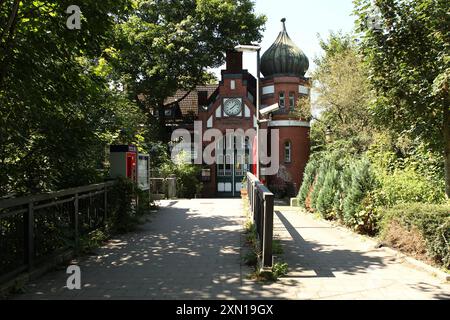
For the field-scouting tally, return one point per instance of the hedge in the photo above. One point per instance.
(432, 222)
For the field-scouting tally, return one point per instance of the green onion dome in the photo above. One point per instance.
(284, 58)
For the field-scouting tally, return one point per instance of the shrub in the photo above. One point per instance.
(362, 183)
(317, 186)
(187, 175)
(308, 180)
(421, 225)
(407, 185)
(327, 194)
(122, 216)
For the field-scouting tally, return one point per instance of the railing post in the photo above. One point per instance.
(75, 221)
(29, 236)
(268, 231)
(106, 205)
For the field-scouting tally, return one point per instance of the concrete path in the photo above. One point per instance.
(192, 249)
(331, 262)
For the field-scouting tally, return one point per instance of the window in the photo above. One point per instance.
(287, 152)
(281, 100)
(233, 84)
(292, 100)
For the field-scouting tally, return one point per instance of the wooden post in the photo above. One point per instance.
(105, 216)
(29, 236)
(75, 221)
(268, 231)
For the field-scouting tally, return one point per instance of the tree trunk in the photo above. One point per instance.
(446, 130)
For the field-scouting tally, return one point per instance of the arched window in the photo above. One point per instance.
(287, 152)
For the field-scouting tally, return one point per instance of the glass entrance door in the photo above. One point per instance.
(232, 165)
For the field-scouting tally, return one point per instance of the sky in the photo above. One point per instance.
(305, 20)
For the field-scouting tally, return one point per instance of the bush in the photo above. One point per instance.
(407, 185)
(308, 180)
(357, 199)
(318, 183)
(122, 216)
(327, 194)
(427, 226)
(187, 175)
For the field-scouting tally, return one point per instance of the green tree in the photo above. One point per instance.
(344, 92)
(407, 51)
(57, 112)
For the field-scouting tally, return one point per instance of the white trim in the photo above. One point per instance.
(209, 124)
(268, 89)
(303, 90)
(219, 112)
(289, 123)
(247, 111)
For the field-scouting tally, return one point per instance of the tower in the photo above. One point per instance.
(284, 66)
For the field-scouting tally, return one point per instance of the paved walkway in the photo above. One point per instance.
(329, 262)
(192, 249)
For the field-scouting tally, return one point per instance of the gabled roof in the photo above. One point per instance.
(190, 103)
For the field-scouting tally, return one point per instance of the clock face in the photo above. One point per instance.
(233, 106)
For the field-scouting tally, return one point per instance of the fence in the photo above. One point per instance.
(161, 188)
(261, 205)
(35, 228)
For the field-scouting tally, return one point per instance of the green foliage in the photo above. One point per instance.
(122, 213)
(251, 259)
(57, 110)
(408, 171)
(363, 182)
(344, 190)
(280, 270)
(308, 180)
(187, 175)
(320, 179)
(344, 94)
(92, 240)
(409, 65)
(433, 222)
(327, 193)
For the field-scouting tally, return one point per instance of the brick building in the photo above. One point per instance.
(231, 105)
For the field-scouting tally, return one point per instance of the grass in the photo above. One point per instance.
(251, 259)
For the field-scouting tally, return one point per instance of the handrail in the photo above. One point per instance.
(26, 222)
(261, 205)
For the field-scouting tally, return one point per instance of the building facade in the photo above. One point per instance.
(232, 106)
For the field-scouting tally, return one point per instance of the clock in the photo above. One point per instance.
(232, 106)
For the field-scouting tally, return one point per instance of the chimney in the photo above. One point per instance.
(234, 61)
(202, 98)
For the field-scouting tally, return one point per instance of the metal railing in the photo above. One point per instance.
(261, 206)
(163, 188)
(35, 228)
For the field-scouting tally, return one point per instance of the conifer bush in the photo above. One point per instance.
(328, 192)
(317, 187)
(308, 180)
(362, 183)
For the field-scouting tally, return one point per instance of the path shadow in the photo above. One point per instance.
(429, 288)
(310, 259)
(183, 253)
